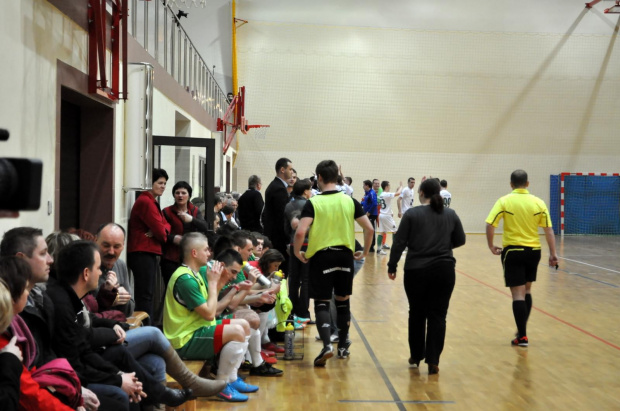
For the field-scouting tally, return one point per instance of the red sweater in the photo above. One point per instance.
(31, 395)
(146, 216)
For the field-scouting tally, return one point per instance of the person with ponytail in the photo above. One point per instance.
(429, 232)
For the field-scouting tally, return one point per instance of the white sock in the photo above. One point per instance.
(254, 348)
(263, 327)
(230, 360)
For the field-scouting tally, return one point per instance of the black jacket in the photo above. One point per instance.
(276, 198)
(249, 210)
(10, 373)
(73, 342)
(39, 317)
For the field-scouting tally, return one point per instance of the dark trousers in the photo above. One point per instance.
(124, 361)
(167, 269)
(298, 285)
(428, 291)
(373, 221)
(144, 268)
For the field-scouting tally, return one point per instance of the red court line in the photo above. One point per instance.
(544, 312)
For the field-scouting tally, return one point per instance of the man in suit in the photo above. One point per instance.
(251, 205)
(276, 198)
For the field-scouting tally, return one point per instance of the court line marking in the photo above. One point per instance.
(371, 321)
(378, 366)
(401, 402)
(591, 265)
(583, 276)
(544, 312)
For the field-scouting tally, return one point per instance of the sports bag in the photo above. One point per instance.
(59, 378)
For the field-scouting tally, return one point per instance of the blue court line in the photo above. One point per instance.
(583, 276)
(378, 366)
(401, 402)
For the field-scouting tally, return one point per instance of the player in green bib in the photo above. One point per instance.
(329, 221)
(190, 324)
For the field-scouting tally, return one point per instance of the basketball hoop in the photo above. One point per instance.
(258, 132)
(234, 120)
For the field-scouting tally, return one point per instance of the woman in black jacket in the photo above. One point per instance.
(430, 232)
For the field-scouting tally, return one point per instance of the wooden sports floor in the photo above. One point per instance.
(572, 363)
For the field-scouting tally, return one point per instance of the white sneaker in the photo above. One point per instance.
(382, 252)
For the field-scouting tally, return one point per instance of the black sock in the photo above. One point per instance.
(344, 319)
(519, 309)
(528, 302)
(321, 314)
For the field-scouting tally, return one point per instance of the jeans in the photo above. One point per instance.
(148, 345)
(428, 290)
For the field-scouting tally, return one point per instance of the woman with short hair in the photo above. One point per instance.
(148, 232)
(183, 217)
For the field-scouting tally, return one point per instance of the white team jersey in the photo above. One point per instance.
(348, 190)
(447, 197)
(406, 199)
(385, 201)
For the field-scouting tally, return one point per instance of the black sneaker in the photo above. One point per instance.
(266, 370)
(520, 341)
(325, 354)
(343, 349)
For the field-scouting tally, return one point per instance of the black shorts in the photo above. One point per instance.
(331, 270)
(520, 264)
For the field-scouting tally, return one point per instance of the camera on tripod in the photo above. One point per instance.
(20, 181)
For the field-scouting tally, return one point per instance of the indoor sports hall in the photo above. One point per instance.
(466, 91)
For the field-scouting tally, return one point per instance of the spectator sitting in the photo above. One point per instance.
(147, 344)
(28, 244)
(78, 273)
(56, 241)
(10, 356)
(16, 274)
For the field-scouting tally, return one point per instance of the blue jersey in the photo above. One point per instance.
(369, 202)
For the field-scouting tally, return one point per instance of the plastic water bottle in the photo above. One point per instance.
(289, 337)
(277, 277)
(262, 280)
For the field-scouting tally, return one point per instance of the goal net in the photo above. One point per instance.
(585, 203)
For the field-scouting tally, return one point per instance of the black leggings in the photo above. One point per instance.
(428, 291)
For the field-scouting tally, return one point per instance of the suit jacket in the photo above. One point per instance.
(276, 198)
(249, 210)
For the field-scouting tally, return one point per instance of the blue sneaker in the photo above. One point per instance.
(231, 395)
(242, 386)
(301, 319)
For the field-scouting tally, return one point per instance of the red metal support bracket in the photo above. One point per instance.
(592, 3)
(98, 30)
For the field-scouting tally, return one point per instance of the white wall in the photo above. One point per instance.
(468, 105)
(210, 28)
(34, 36)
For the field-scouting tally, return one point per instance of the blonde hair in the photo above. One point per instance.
(6, 307)
(57, 240)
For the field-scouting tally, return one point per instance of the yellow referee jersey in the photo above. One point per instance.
(523, 213)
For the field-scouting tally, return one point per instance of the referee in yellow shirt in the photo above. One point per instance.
(523, 213)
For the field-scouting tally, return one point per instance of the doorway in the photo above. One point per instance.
(85, 163)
